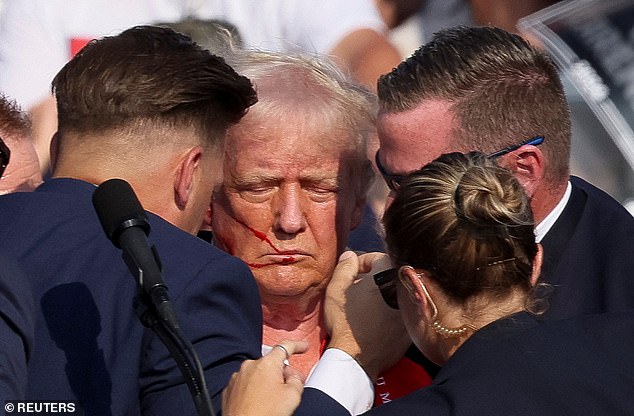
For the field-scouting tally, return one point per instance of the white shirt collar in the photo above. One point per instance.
(547, 223)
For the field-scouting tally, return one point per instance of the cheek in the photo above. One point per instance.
(223, 231)
(348, 215)
(330, 226)
(237, 229)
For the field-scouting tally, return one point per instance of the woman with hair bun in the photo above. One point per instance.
(460, 233)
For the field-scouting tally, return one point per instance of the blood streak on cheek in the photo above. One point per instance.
(259, 235)
(262, 237)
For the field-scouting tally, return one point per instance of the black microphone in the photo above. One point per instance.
(126, 224)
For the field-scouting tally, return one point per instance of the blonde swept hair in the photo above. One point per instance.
(315, 85)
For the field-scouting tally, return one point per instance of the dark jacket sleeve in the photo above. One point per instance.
(220, 313)
(316, 403)
(16, 329)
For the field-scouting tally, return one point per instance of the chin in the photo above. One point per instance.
(285, 291)
(290, 293)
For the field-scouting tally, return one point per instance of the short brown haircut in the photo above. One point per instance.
(149, 76)
(501, 89)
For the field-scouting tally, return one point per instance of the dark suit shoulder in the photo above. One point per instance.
(17, 316)
(186, 258)
(599, 200)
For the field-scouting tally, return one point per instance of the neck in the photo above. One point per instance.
(291, 322)
(477, 314)
(149, 189)
(546, 198)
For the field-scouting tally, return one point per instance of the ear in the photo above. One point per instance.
(54, 150)
(418, 293)
(537, 265)
(209, 215)
(357, 213)
(527, 164)
(409, 279)
(184, 178)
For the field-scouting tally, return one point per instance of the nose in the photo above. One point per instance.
(290, 217)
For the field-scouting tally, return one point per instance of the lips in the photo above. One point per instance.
(289, 253)
(282, 257)
(278, 259)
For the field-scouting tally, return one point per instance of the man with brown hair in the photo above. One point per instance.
(484, 89)
(151, 107)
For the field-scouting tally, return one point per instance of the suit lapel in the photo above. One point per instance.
(557, 238)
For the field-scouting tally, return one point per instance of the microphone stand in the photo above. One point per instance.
(155, 312)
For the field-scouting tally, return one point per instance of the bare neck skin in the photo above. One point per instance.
(478, 313)
(298, 321)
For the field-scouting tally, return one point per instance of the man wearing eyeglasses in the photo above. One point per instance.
(16, 145)
(484, 89)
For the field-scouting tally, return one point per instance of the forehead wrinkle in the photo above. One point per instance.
(290, 170)
(302, 174)
(254, 177)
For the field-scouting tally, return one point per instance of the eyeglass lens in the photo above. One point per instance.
(386, 281)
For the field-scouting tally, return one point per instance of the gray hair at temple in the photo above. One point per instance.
(217, 36)
(314, 85)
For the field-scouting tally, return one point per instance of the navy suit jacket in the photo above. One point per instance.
(589, 255)
(17, 315)
(89, 345)
(523, 366)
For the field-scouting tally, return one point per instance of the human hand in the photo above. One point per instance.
(267, 386)
(357, 318)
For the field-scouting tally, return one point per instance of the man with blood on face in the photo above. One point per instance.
(295, 178)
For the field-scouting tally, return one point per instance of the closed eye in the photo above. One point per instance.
(321, 192)
(253, 192)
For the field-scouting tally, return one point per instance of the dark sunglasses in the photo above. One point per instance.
(386, 281)
(5, 156)
(394, 181)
